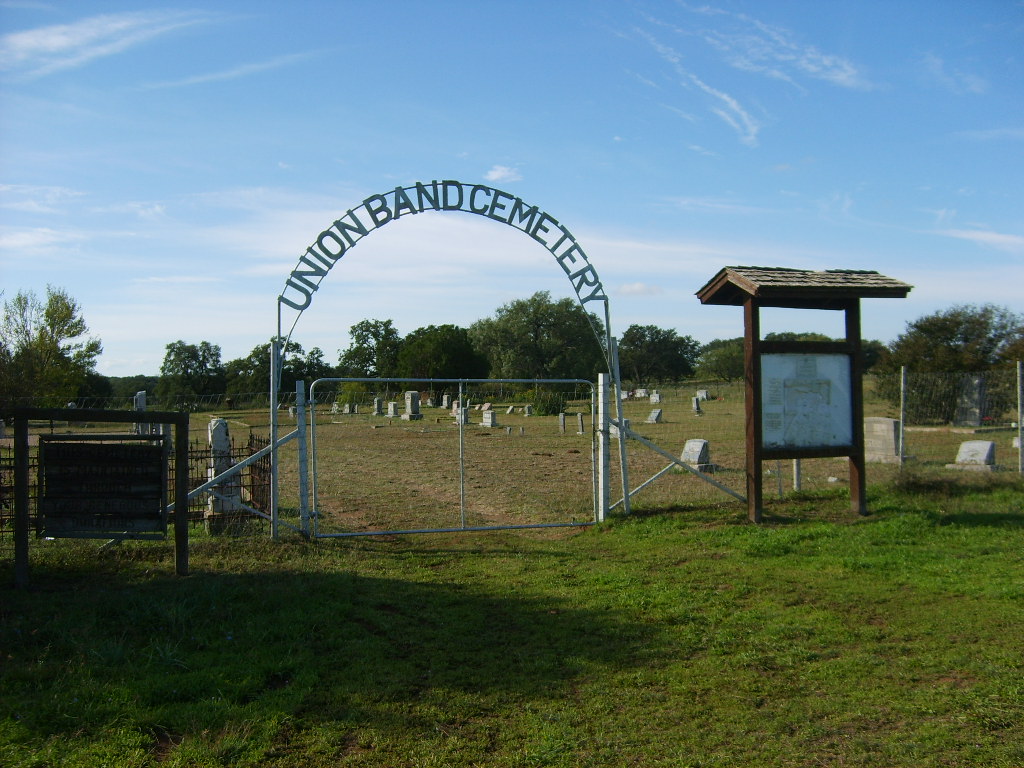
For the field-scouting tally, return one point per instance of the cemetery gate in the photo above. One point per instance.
(442, 196)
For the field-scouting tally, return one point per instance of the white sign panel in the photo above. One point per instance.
(806, 401)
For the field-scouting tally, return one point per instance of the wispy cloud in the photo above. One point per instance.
(233, 73)
(639, 289)
(35, 199)
(953, 80)
(713, 205)
(45, 50)
(998, 240)
(502, 173)
(723, 105)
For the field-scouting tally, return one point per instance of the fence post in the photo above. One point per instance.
(274, 364)
(903, 414)
(604, 453)
(300, 426)
(1020, 420)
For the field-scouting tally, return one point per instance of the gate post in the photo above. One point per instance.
(604, 452)
(274, 365)
(300, 426)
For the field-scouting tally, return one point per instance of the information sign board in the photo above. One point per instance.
(806, 401)
(107, 487)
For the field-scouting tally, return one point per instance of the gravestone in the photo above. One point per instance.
(230, 489)
(970, 404)
(640, 394)
(334, 409)
(703, 394)
(655, 397)
(1016, 441)
(412, 406)
(579, 424)
(527, 410)
(455, 407)
(446, 401)
(291, 411)
(561, 423)
(378, 406)
(490, 418)
(392, 409)
(613, 431)
(346, 408)
(486, 407)
(696, 405)
(461, 416)
(975, 455)
(697, 454)
(881, 440)
(510, 410)
(654, 417)
(139, 403)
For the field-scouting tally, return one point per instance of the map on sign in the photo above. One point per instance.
(805, 401)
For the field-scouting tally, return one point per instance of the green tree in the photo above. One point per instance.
(963, 338)
(45, 352)
(540, 338)
(649, 354)
(440, 352)
(373, 351)
(721, 359)
(251, 374)
(189, 371)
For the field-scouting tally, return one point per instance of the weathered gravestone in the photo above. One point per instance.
(640, 394)
(446, 401)
(881, 440)
(527, 410)
(975, 455)
(392, 409)
(655, 397)
(696, 405)
(579, 424)
(490, 418)
(461, 415)
(970, 404)
(218, 508)
(334, 408)
(613, 431)
(697, 455)
(654, 417)
(378, 406)
(703, 394)
(510, 410)
(412, 406)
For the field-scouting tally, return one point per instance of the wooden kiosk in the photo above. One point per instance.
(804, 399)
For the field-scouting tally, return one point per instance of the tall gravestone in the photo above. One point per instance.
(970, 404)
(218, 508)
(412, 406)
(881, 440)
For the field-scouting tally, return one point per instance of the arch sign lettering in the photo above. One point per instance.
(374, 212)
(401, 202)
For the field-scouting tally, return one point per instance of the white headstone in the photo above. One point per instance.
(527, 410)
(655, 417)
(579, 424)
(703, 394)
(696, 405)
(490, 418)
(412, 406)
(378, 406)
(697, 454)
(613, 430)
(655, 397)
(510, 410)
(977, 455)
(392, 408)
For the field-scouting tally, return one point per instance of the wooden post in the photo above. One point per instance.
(752, 377)
(21, 502)
(181, 495)
(858, 498)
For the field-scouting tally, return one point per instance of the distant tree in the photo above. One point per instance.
(440, 352)
(189, 371)
(963, 338)
(45, 352)
(251, 374)
(650, 354)
(721, 359)
(127, 386)
(373, 350)
(794, 336)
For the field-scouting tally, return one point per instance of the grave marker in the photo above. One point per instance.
(654, 417)
(975, 455)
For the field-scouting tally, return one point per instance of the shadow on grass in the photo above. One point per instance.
(176, 659)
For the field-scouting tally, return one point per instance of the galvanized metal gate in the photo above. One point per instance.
(438, 478)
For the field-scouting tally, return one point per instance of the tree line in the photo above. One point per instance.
(47, 354)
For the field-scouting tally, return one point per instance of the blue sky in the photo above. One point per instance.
(167, 164)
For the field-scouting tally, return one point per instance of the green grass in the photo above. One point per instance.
(681, 636)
